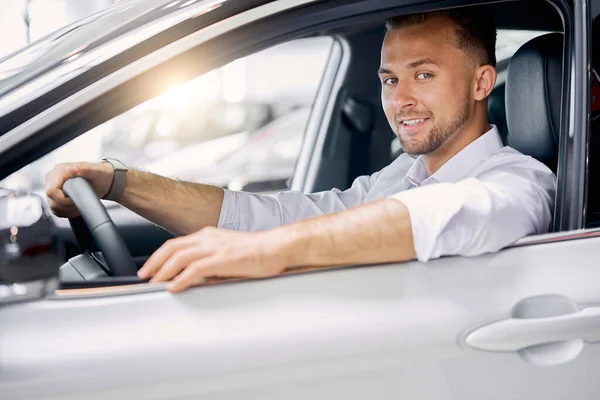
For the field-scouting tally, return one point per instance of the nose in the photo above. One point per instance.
(403, 96)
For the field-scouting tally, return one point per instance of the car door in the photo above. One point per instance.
(520, 323)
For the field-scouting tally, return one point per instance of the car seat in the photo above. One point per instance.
(533, 98)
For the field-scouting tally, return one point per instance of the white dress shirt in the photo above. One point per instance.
(483, 199)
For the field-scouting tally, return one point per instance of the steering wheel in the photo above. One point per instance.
(95, 223)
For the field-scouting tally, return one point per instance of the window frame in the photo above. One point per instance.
(570, 208)
(593, 159)
(52, 130)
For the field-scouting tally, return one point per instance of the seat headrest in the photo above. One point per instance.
(533, 98)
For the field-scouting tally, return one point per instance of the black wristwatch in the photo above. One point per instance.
(119, 181)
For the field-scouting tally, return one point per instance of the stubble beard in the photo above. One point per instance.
(440, 132)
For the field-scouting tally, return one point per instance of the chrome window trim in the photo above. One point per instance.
(556, 237)
(106, 291)
(586, 54)
(318, 126)
(98, 88)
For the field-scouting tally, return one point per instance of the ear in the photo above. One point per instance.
(485, 81)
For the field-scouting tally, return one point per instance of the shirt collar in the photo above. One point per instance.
(459, 165)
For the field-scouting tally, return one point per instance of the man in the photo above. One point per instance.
(464, 194)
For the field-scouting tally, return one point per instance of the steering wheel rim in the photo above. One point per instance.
(99, 226)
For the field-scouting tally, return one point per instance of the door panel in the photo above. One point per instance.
(390, 331)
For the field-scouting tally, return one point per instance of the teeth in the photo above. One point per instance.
(412, 122)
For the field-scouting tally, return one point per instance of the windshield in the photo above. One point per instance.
(14, 63)
(72, 41)
(18, 67)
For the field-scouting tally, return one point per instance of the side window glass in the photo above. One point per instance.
(239, 127)
(593, 209)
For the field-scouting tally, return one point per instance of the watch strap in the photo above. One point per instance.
(119, 181)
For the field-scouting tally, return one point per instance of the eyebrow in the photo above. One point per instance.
(412, 65)
(422, 61)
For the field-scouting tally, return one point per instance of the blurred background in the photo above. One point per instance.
(25, 21)
(239, 126)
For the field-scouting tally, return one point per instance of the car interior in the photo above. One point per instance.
(533, 83)
(525, 106)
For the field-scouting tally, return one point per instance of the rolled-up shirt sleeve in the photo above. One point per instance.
(476, 216)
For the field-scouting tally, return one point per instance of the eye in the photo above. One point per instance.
(423, 76)
(389, 81)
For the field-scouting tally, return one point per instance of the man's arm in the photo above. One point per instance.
(180, 207)
(185, 207)
(375, 232)
(470, 217)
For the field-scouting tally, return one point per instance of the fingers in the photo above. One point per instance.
(212, 267)
(177, 263)
(195, 274)
(55, 178)
(98, 176)
(190, 259)
(162, 255)
(59, 203)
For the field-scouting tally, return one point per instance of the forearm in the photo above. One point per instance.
(372, 233)
(375, 232)
(178, 206)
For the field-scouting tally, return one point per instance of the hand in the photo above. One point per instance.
(211, 252)
(99, 176)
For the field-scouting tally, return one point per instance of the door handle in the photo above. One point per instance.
(514, 334)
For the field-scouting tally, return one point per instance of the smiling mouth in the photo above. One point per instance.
(413, 122)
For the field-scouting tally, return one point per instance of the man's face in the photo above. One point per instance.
(427, 84)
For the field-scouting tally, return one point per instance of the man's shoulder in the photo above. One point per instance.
(509, 162)
(508, 157)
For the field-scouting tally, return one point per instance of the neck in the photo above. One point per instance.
(466, 134)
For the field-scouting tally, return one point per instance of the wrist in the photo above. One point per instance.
(289, 245)
(107, 169)
(118, 180)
